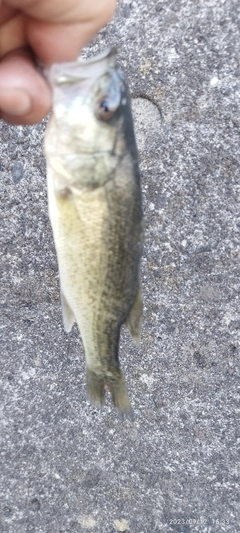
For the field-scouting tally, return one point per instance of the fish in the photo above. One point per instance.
(95, 209)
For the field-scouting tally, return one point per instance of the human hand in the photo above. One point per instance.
(50, 30)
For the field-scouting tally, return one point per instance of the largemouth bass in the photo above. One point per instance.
(96, 213)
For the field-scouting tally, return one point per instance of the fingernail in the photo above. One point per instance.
(14, 102)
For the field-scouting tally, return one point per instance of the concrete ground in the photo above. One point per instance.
(65, 465)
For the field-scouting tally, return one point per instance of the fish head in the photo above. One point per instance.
(89, 104)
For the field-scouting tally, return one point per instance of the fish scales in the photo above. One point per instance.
(96, 216)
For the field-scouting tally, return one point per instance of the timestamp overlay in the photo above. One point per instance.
(201, 521)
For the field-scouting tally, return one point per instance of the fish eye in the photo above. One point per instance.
(104, 105)
(104, 110)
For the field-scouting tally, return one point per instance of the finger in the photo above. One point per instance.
(60, 42)
(25, 97)
(13, 34)
(60, 11)
(6, 13)
(56, 30)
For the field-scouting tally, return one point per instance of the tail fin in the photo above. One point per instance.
(97, 384)
(95, 387)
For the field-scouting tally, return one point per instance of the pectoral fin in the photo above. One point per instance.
(134, 319)
(67, 313)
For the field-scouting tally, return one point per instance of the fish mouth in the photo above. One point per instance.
(73, 71)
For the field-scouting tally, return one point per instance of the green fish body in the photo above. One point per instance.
(96, 214)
